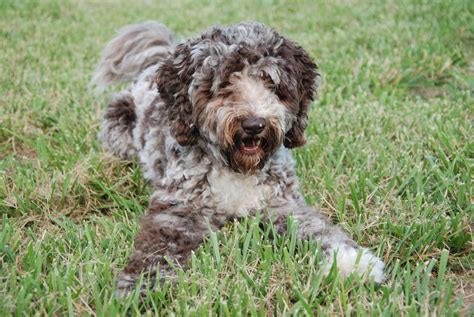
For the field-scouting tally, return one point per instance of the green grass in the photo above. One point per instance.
(390, 158)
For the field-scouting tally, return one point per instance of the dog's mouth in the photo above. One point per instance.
(251, 146)
(249, 153)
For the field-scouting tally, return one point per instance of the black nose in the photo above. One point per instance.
(253, 125)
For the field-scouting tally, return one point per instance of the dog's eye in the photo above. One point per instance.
(269, 83)
(282, 93)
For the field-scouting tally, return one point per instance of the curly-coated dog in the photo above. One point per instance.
(212, 121)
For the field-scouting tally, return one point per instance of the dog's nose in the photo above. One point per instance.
(253, 125)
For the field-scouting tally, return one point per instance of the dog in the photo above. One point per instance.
(212, 121)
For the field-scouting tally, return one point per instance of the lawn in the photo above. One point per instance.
(389, 157)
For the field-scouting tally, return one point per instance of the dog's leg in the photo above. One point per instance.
(116, 130)
(167, 236)
(335, 243)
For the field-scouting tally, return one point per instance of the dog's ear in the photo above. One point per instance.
(173, 80)
(300, 67)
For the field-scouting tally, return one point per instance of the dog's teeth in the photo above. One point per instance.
(257, 143)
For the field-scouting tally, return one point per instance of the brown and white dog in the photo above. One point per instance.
(212, 121)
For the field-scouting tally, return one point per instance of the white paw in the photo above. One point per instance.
(362, 261)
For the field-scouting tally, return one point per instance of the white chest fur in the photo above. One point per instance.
(237, 194)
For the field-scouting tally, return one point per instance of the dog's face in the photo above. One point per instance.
(239, 92)
(244, 122)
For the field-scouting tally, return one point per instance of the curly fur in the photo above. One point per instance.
(182, 116)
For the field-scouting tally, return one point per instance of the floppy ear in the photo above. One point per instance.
(304, 70)
(173, 80)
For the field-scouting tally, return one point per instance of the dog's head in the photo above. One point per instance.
(240, 91)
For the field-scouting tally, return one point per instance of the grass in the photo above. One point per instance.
(390, 158)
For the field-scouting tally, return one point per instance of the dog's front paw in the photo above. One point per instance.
(360, 260)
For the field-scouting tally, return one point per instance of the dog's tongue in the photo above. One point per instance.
(250, 147)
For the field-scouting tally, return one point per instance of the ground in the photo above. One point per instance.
(390, 158)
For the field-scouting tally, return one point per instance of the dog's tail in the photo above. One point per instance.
(136, 47)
